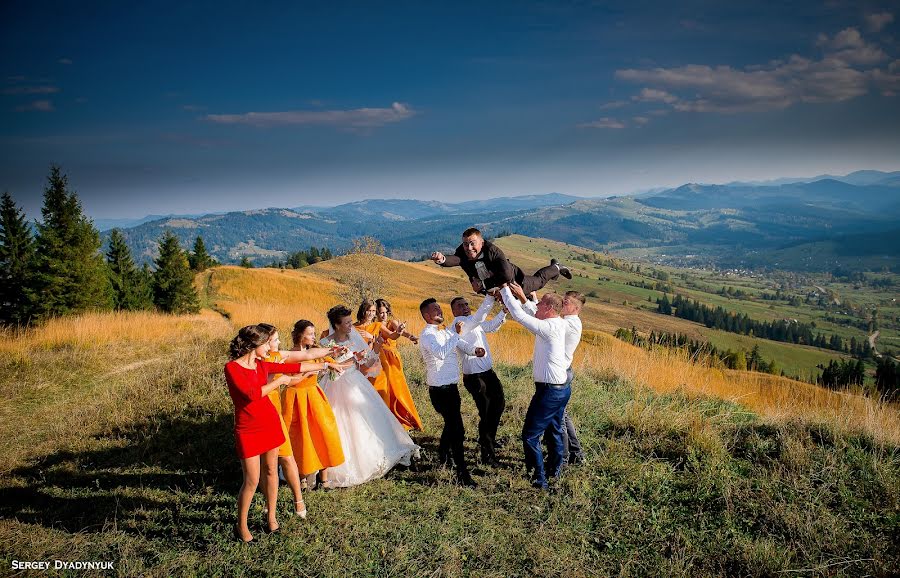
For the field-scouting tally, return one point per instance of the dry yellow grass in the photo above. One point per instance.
(93, 330)
(665, 370)
(282, 297)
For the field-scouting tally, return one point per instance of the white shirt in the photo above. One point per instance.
(549, 343)
(573, 331)
(473, 332)
(438, 347)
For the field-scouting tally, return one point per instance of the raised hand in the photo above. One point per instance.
(458, 326)
(517, 291)
(476, 285)
(480, 352)
(438, 257)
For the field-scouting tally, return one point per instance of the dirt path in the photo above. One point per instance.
(872, 339)
(138, 365)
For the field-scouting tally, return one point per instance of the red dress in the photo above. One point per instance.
(257, 427)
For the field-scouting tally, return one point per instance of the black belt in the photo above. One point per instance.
(479, 373)
(551, 385)
(445, 386)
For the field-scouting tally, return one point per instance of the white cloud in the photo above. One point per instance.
(845, 71)
(877, 22)
(37, 106)
(604, 122)
(653, 95)
(640, 120)
(613, 104)
(30, 90)
(359, 118)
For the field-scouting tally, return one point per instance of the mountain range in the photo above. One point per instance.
(821, 223)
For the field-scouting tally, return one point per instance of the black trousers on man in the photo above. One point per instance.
(537, 281)
(446, 401)
(487, 391)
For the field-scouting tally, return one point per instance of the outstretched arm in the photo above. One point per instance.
(540, 327)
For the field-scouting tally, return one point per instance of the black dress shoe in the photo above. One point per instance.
(563, 270)
(466, 480)
(491, 461)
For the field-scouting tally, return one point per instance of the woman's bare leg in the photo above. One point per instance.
(250, 469)
(270, 473)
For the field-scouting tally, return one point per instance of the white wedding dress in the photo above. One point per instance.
(371, 437)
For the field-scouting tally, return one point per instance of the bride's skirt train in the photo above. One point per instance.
(372, 439)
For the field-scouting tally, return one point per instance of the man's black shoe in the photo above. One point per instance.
(466, 480)
(563, 270)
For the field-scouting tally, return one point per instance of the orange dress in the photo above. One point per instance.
(399, 401)
(379, 381)
(311, 427)
(285, 449)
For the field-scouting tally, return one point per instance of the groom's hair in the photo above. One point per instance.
(425, 304)
(455, 299)
(471, 231)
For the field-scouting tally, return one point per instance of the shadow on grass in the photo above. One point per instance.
(166, 477)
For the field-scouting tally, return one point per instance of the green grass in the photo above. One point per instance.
(673, 487)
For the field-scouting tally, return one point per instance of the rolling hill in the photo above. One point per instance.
(718, 225)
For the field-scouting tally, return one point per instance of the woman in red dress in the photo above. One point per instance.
(257, 427)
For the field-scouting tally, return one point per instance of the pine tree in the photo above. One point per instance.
(246, 263)
(70, 274)
(173, 282)
(16, 261)
(129, 288)
(199, 258)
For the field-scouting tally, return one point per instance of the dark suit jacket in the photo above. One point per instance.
(499, 268)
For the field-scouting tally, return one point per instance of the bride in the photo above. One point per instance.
(373, 440)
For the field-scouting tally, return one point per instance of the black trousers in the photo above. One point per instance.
(446, 401)
(487, 392)
(540, 278)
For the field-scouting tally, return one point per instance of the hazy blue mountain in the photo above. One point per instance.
(720, 224)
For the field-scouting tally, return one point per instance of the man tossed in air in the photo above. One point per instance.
(487, 266)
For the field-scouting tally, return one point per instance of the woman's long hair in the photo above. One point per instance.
(298, 330)
(363, 307)
(249, 338)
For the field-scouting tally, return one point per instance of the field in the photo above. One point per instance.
(617, 304)
(117, 445)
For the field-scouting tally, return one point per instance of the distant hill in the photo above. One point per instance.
(724, 225)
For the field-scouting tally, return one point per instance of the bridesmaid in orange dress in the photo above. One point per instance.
(370, 330)
(310, 422)
(400, 401)
(285, 451)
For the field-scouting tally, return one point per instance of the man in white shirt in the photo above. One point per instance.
(545, 412)
(573, 301)
(479, 378)
(439, 346)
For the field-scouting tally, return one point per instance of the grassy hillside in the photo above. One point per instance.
(117, 445)
(614, 303)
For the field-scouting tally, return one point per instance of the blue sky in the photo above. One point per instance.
(192, 107)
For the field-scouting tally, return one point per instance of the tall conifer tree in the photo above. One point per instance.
(129, 288)
(16, 262)
(70, 274)
(199, 259)
(173, 281)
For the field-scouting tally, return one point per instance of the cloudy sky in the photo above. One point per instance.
(192, 107)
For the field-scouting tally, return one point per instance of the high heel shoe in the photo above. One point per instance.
(299, 512)
(237, 535)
